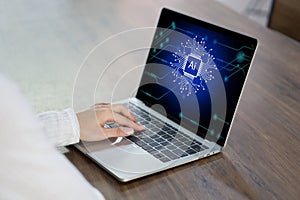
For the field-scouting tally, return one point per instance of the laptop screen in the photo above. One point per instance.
(195, 72)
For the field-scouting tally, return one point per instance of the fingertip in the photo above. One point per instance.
(133, 119)
(127, 130)
(131, 116)
(142, 127)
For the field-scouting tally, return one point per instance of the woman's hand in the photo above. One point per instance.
(92, 122)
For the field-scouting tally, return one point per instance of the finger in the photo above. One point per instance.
(122, 120)
(119, 108)
(101, 105)
(118, 132)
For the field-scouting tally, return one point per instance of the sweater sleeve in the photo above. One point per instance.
(31, 167)
(61, 128)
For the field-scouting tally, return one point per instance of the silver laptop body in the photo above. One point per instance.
(167, 143)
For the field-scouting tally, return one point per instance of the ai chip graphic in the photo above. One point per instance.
(193, 66)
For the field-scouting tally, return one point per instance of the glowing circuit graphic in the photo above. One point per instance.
(193, 66)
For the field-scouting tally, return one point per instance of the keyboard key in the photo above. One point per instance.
(183, 155)
(171, 147)
(143, 122)
(196, 142)
(186, 140)
(172, 132)
(197, 147)
(155, 129)
(159, 147)
(154, 136)
(188, 137)
(179, 137)
(164, 143)
(154, 144)
(140, 143)
(159, 155)
(133, 138)
(169, 154)
(152, 151)
(174, 129)
(177, 143)
(148, 140)
(155, 122)
(178, 152)
(167, 137)
(146, 147)
(183, 147)
(166, 128)
(164, 159)
(144, 115)
(149, 126)
(191, 151)
(159, 140)
(138, 133)
(138, 118)
(161, 133)
(147, 118)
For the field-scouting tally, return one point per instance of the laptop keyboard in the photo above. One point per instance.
(161, 140)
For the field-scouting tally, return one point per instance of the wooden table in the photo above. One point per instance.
(261, 160)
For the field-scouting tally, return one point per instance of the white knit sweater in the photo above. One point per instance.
(31, 167)
(61, 128)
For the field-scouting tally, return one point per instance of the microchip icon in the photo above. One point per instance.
(191, 66)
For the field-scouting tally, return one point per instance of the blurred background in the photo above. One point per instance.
(43, 43)
(257, 10)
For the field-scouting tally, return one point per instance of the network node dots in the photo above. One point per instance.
(225, 79)
(215, 117)
(240, 57)
(180, 115)
(194, 66)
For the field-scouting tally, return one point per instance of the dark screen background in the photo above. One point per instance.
(232, 53)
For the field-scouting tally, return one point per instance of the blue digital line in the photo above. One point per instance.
(156, 98)
(241, 68)
(161, 59)
(168, 30)
(160, 78)
(235, 49)
(216, 117)
(219, 136)
(193, 122)
(228, 63)
(227, 69)
(189, 32)
(155, 55)
(157, 77)
(211, 131)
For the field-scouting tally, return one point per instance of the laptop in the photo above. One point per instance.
(187, 98)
